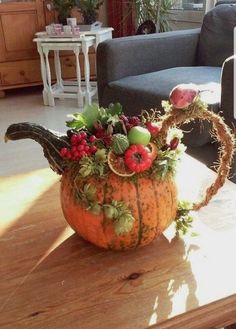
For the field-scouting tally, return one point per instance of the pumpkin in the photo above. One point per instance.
(153, 205)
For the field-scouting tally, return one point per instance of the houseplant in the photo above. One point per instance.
(118, 189)
(89, 10)
(157, 11)
(63, 8)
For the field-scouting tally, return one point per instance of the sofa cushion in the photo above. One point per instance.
(216, 37)
(156, 86)
(146, 91)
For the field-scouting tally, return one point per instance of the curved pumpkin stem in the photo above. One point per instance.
(51, 141)
(223, 135)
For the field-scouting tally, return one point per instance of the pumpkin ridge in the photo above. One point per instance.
(173, 192)
(157, 205)
(140, 217)
(149, 210)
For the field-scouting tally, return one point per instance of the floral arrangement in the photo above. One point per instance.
(118, 186)
(105, 140)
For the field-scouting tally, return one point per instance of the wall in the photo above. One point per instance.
(102, 17)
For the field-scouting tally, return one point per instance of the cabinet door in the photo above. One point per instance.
(19, 21)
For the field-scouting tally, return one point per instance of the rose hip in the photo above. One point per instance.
(174, 143)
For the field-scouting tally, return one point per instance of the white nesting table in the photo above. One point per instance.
(83, 91)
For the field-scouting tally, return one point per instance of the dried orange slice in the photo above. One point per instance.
(117, 165)
(153, 150)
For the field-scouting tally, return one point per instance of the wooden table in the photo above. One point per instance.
(51, 278)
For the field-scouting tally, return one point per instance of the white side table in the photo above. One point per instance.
(101, 34)
(83, 91)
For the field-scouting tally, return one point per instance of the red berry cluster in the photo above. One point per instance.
(130, 122)
(137, 158)
(102, 134)
(81, 145)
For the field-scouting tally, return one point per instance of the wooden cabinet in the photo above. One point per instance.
(19, 60)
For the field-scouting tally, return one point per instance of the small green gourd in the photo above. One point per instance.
(119, 144)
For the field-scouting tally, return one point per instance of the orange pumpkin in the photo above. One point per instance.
(153, 205)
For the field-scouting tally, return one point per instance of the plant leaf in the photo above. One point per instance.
(114, 109)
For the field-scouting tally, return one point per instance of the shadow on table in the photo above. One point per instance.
(78, 285)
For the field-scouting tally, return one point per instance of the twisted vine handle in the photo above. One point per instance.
(223, 135)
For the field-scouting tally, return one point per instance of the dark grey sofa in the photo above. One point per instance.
(140, 71)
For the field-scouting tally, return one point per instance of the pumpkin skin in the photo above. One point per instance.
(153, 204)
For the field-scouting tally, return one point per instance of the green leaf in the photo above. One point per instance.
(123, 225)
(95, 208)
(86, 119)
(114, 109)
(77, 123)
(90, 192)
(90, 115)
(183, 218)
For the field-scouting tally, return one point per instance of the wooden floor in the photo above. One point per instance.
(27, 105)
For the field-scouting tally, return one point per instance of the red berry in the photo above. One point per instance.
(92, 139)
(74, 139)
(104, 136)
(74, 149)
(68, 154)
(83, 135)
(174, 143)
(134, 121)
(93, 149)
(80, 147)
(63, 152)
(83, 142)
(153, 128)
(86, 148)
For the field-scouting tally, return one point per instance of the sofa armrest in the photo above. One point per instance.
(227, 91)
(121, 57)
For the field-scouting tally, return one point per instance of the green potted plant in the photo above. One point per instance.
(157, 11)
(63, 8)
(89, 10)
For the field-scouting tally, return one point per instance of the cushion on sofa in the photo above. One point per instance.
(216, 37)
(146, 91)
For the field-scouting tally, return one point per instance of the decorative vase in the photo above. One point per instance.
(118, 189)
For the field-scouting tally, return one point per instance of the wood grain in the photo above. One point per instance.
(27, 72)
(51, 278)
(19, 59)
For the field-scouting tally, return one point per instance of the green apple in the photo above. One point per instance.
(139, 135)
